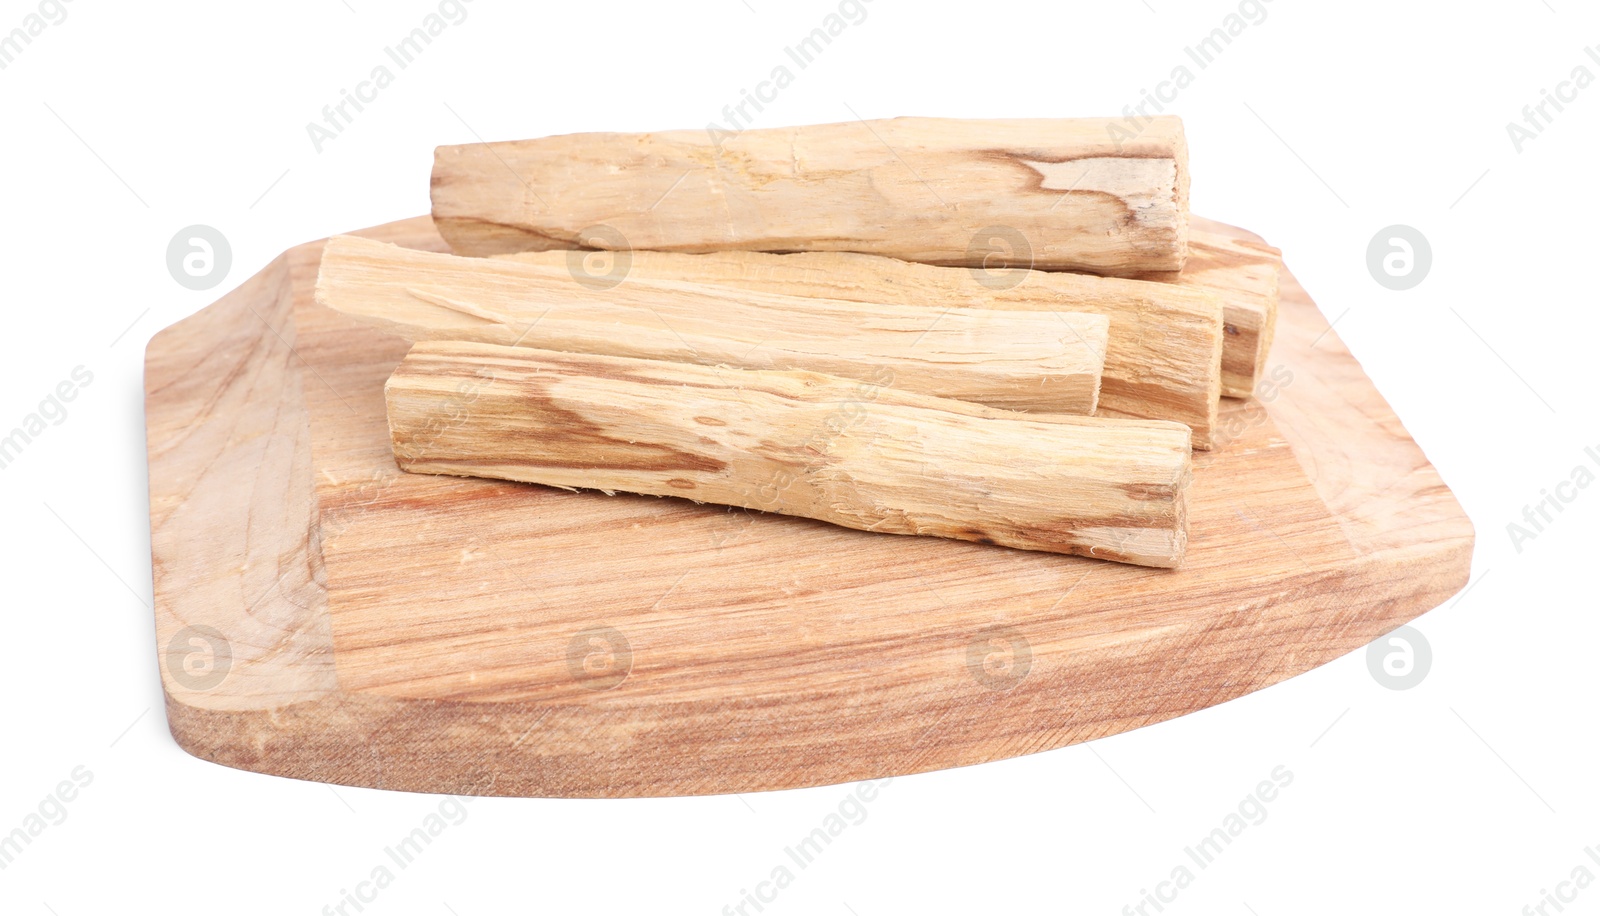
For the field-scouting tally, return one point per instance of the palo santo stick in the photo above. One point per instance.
(799, 443)
(1162, 357)
(1046, 362)
(1245, 275)
(1063, 192)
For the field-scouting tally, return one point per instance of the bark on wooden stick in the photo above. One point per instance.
(1056, 193)
(1048, 362)
(798, 443)
(1163, 356)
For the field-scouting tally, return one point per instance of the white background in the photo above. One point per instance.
(1316, 128)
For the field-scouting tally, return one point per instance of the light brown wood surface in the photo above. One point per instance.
(1243, 272)
(1163, 358)
(1034, 361)
(442, 634)
(859, 454)
(1055, 193)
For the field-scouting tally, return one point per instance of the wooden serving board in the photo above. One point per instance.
(324, 616)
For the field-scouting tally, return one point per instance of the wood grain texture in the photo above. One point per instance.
(1244, 273)
(446, 634)
(1164, 347)
(1033, 361)
(856, 454)
(1060, 193)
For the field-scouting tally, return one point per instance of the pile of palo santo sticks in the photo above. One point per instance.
(997, 331)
